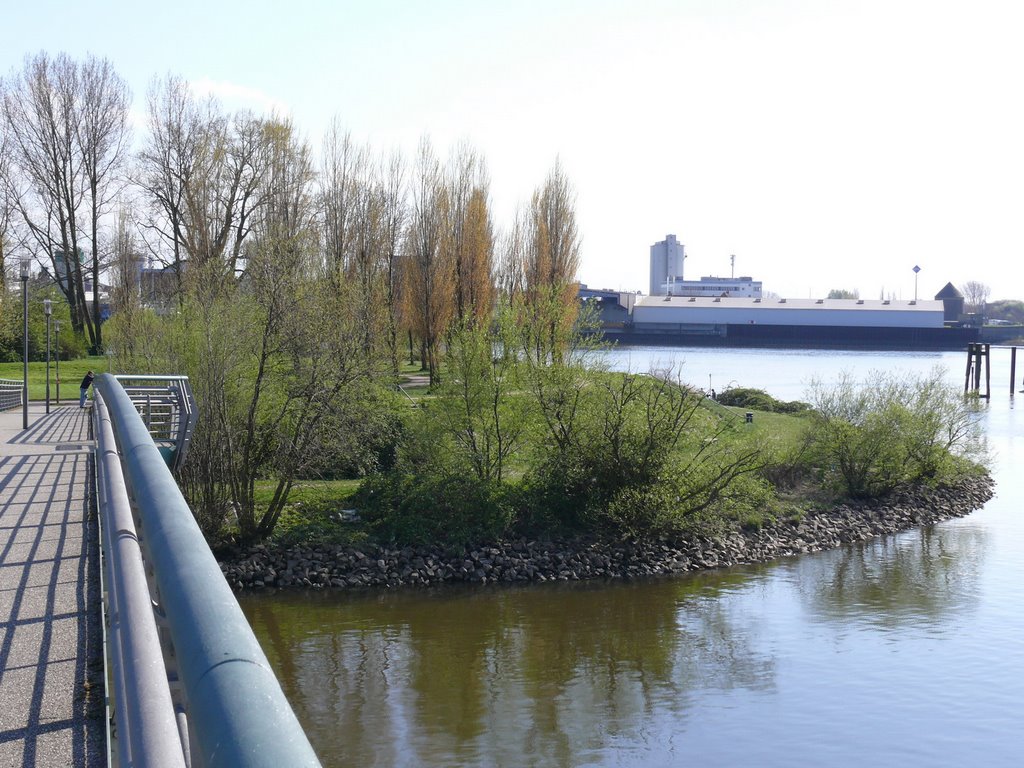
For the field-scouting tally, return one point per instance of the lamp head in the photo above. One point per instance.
(25, 264)
(47, 307)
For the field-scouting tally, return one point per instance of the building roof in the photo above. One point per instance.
(731, 302)
(949, 291)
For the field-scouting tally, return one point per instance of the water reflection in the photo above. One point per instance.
(568, 674)
(835, 657)
(492, 675)
(920, 579)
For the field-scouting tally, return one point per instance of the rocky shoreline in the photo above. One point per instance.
(523, 560)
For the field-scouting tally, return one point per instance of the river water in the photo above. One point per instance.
(907, 650)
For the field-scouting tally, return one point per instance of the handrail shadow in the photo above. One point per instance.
(66, 424)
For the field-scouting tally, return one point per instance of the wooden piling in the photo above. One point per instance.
(967, 370)
(988, 373)
(1013, 369)
(972, 376)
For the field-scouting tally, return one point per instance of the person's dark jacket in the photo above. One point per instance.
(87, 381)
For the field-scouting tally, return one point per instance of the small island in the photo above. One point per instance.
(650, 477)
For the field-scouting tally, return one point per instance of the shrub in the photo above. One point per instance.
(433, 508)
(648, 456)
(759, 400)
(869, 439)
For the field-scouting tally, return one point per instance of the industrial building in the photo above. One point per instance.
(671, 312)
(670, 316)
(668, 261)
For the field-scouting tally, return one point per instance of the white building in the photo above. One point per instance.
(666, 264)
(734, 287)
(671, 312)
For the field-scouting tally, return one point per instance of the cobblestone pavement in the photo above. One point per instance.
(51, 668)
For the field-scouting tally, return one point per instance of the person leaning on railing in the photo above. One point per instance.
(84, 388)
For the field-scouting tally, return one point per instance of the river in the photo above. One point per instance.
(907, 650)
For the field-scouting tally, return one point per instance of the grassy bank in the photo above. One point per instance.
(318, 510)
(71, 374)
(716, 470)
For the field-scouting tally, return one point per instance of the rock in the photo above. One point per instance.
(322, 566)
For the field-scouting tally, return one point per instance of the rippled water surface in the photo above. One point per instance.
(907, 650)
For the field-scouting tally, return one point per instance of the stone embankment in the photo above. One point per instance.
(521, 560)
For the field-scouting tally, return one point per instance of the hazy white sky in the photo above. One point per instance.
(826, 143)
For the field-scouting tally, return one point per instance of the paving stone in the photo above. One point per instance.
(51, 709)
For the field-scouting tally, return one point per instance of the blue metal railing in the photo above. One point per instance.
(223, 706)
(168, 410)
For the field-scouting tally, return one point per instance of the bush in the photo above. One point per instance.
(433, 508)
(869, 439)
(648, 457)
(759, 400)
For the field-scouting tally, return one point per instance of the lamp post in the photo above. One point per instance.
(48, 311)
(56, 349)
(916, 270)
(25, 263)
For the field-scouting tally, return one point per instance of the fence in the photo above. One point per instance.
(190, 683)
(10, 393)
(168, 410)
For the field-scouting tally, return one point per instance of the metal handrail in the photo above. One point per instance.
(168, 409)
(235, 710)
(10, 393)
(147, 731)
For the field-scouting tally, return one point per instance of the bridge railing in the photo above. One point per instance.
(168, 410)
(10, 393)
(190, 683)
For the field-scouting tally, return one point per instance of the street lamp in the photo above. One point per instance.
(56, 349)
(48, 311)
(25, 264)
(916, 270)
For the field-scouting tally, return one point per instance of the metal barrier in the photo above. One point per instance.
(167, 408)
(10, 393)
(190, 683)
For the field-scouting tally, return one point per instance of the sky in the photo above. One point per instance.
(825, 144)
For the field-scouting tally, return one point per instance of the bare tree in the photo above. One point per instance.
(975, 295)
(6, 209)
(428, 268)
(102, 132)
(393, 219)
(342, 175)
(276, 356)
(470, 235)
(203, 173)
(511, 270)
(66, 125)
(547, 246)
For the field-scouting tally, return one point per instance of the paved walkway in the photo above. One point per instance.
(51, 670)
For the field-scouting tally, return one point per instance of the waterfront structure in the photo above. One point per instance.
(760, 322)
(734, 312)
(953, 301)
(613, 307)
(667, 257)
(657, 312)
(736, 287)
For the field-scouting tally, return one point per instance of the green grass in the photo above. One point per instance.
(309, 491)
(71, 374)
(312, 513)
(784, 428)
